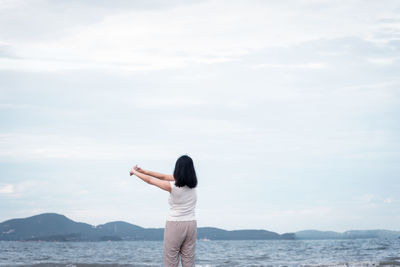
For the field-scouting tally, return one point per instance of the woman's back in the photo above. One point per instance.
(182, 201)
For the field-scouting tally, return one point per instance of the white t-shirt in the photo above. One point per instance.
(182, 201)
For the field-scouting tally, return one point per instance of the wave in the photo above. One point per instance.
(391, 262)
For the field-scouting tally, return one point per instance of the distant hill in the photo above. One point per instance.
(314, 234)
(45, 225)
(57, 227)
(220, 234)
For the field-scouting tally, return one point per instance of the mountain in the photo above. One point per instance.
(353, 234)
(127, 231)
(57, 227)
(315, 234)
(220, 234)
(47, 224)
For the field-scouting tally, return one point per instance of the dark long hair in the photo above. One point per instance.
(184, 172)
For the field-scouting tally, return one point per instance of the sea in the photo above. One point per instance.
(355, 252)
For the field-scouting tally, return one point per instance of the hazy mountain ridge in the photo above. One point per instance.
(352, 234)
(57, 227)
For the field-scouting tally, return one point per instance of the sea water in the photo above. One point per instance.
(357, 252)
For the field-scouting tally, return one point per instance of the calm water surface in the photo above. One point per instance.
(359, 252)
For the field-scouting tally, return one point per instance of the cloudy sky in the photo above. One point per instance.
(289, 109)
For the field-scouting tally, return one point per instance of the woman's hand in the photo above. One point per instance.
(137, 168)
(132, 171)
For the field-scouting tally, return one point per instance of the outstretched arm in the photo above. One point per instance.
(161, 176)
(165, 185)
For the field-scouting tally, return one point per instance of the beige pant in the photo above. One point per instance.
(179, 240)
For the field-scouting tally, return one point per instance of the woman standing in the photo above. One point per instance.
(181, 225)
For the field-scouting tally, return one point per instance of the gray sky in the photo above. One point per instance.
(289, 109)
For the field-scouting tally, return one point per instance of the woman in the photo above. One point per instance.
(181, 225)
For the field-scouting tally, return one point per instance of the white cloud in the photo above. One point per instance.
(365, 198)
(17, 106)
(388, 200)
(6, 189)
(50, 65)
(154, 39)
(9, 4)
(21, 147)
(383, 61)
(22, 188)
(315, 65)
(166, 102)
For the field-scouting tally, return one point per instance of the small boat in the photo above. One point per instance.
(204, 239)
